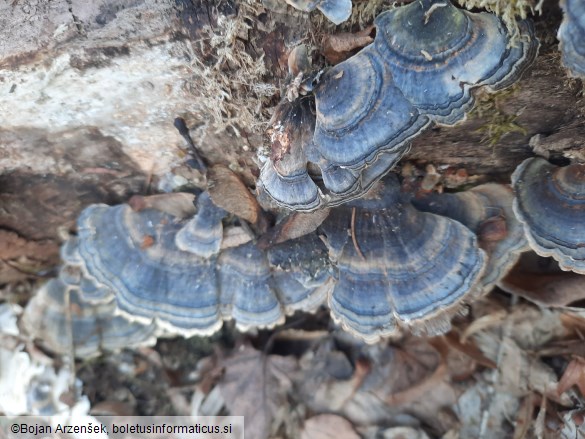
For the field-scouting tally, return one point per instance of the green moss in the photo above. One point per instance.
(509, 10)
(498, 123)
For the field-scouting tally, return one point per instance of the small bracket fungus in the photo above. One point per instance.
(487, 211)
(437, 53)
(203, 233)
(361, 114)
(284, 176)
(400, 269)
(67, 324)
(550, 204)
(572, 35)
(336, 11)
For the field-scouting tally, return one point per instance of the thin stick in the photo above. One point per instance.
(181, 126)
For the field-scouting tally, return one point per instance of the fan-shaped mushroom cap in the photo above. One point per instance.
(571, 36)
(284, 175)
(134, 254)
(437, 53)
(400, 269)
(64, 323)
(360, 115)
(380, 136)
(203, 233)
(246, 290)
(71, 273)
(259, 288)
(550, 203)
(336, 11)
(487, 211)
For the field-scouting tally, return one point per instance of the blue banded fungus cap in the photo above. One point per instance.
(202, 234)
(284, 176)
(487, 211)
(400, 269)
(437, 53)
(136, 256)
(571, 36)
(550, 204)
(336, 11)
(66, 323)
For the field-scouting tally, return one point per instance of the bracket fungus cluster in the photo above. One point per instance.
(381, 265)
(571, 36)
(421, 68)
(550, 204)
(178, 276)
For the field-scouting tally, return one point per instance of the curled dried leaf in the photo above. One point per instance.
(294, 226)
(231, 194)
(339, 47)
(179, 204)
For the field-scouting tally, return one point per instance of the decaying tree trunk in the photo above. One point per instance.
(90, 91)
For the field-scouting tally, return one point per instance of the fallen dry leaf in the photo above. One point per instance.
(321, 386)
(469, 349)
(541, 281)
(328, 427)
(293, 226)
(178, 204)
(574, 376)
(255, 385)
(339, 47)
(231, 194)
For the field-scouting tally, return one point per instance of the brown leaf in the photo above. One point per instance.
(546, 289)
(231, 194)
(469, 349)
(574, 376)
(339, 47)
(255, 386)
(294, 226)
(541, 281)
(179, 204)
(419, 383)
(328, 427)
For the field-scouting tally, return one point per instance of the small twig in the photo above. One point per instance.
(244, 224)
(71, 342)
(432, 9)
(181, 126)
(353, 238)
